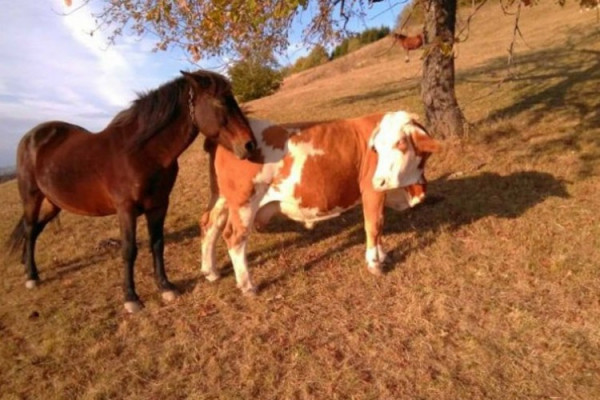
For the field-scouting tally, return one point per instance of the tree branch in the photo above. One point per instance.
(468, 23)
(514, 39)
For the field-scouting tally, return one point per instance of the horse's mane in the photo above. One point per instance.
(153, 110)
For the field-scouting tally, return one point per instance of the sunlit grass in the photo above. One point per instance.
(493, 290)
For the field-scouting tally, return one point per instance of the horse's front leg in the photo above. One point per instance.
(236, 232)
(156, 221)
(127, 223)
(211, 225)
(373, 203)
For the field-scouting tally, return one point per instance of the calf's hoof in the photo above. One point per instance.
(375, 270)
(251, 291)
(133, 306)
(211, 276)
(169, 295)
(31, 283)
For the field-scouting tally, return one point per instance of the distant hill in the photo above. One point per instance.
(7, 173)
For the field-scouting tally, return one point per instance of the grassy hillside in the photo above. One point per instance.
(493, 290)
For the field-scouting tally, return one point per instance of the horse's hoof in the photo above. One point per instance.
(375, 270)
(169, 295)
(211, 276)
(133, 306)
(31, 284)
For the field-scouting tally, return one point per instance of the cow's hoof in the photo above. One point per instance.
(133, 306)
(169, 295)
(31, 284)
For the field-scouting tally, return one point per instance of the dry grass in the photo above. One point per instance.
(493, 291)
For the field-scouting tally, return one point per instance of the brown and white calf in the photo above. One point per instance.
(312, 172)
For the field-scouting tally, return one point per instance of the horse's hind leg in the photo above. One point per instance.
(156, 221)
(38, 212)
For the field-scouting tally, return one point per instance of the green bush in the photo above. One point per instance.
(317, 56)
(354, 42)
(252, 79)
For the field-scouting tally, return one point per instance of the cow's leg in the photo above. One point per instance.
(406, 58)
(236, 232)
(211, 225)
(373, 203)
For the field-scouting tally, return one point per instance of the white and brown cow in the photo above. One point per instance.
(312, 172)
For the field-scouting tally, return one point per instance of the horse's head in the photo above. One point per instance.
(216, 113)
(402, 147)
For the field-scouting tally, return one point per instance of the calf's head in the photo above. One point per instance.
(402, 146)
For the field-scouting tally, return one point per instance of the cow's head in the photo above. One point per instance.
(402, 147)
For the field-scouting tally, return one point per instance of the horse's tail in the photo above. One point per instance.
(16, 240)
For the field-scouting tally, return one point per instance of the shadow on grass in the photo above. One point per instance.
(452, 204)
(64, 268)
(385, 93)
(557, 83)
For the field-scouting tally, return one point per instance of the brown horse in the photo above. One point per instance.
(127, 169)
(409, 42)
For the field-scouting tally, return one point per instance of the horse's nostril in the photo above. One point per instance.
(250, 146)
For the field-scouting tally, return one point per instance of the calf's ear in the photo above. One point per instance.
(371, 144)
(425, 143)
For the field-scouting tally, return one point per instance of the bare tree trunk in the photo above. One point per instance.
(444, 116)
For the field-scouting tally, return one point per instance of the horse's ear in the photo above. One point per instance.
(190, 78)
(198, 81)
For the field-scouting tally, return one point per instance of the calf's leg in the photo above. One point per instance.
(236, 235)
(211, 225)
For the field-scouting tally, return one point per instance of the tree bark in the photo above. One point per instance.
(444, 117)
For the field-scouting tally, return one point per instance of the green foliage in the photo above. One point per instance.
(317, 56)
(353, 43)
(254, 78)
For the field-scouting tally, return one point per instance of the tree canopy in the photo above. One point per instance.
(215, 27)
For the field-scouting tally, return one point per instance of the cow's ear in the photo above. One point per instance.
(371, 144)
(425, 143)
